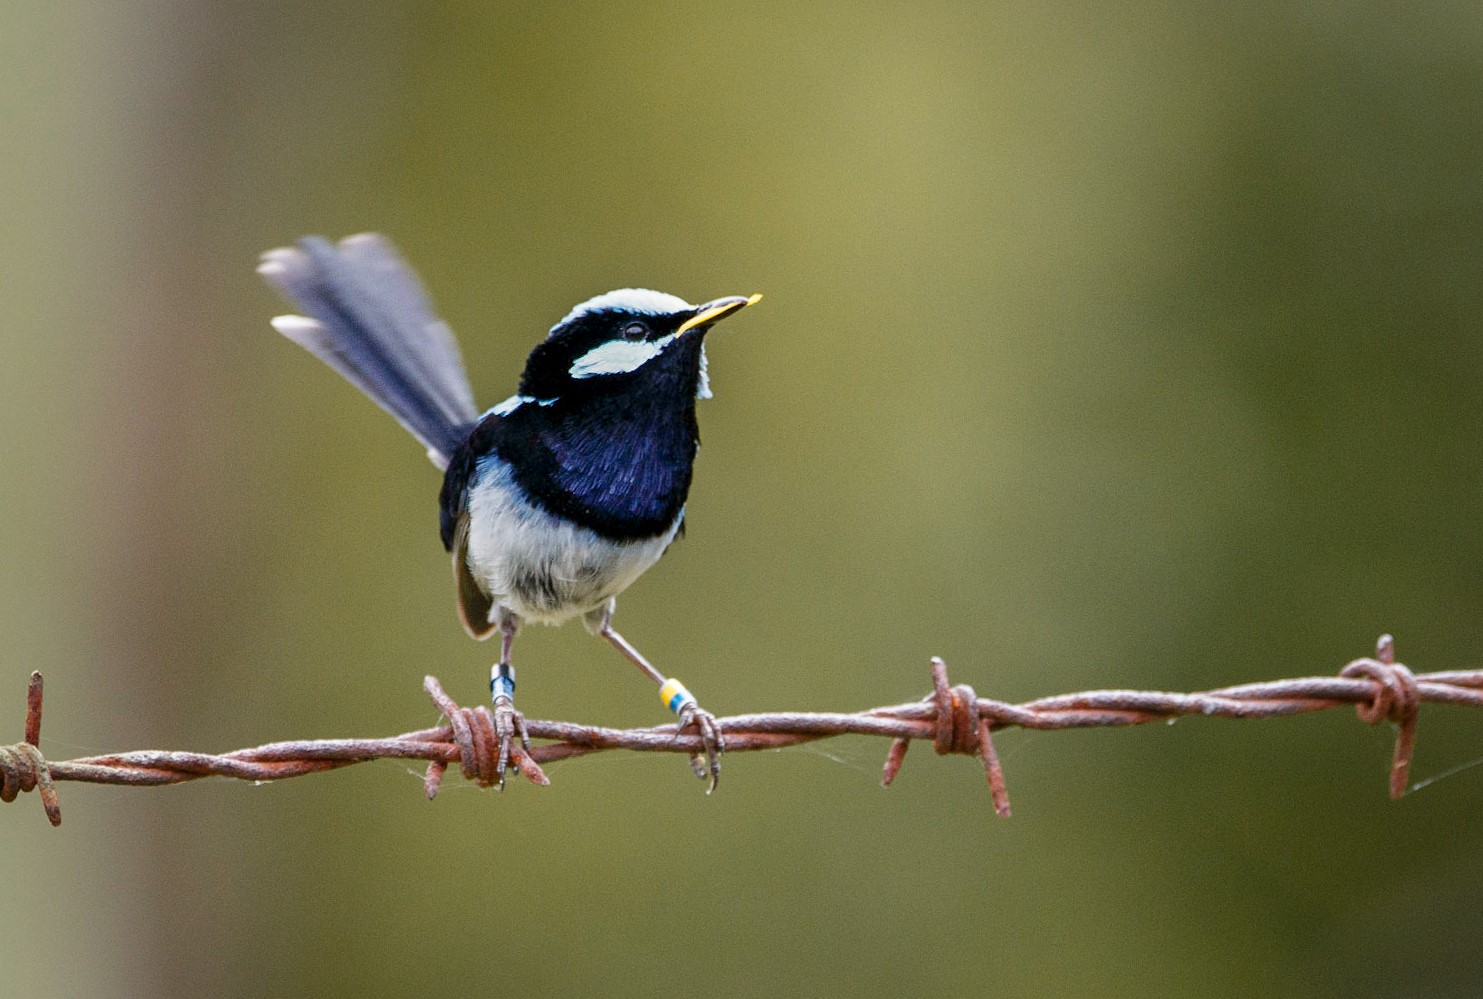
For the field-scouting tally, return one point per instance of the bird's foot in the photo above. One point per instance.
(509, 725)
(706, 764)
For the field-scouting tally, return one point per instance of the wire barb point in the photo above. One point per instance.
(960, 725)
(22, 767)
(483, 749)
(1397, 699)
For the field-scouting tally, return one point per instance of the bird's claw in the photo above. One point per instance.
(508, 724)
(706, 764)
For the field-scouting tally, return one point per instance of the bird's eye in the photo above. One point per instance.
(635, 331)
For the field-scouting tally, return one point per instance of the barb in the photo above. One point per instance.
(21, 765)
(954, 719)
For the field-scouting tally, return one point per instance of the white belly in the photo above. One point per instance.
(541, 568)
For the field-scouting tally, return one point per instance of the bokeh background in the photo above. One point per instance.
(1133, 348)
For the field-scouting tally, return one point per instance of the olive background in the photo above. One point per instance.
(1101, 348)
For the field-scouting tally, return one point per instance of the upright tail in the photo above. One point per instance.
(370, 319)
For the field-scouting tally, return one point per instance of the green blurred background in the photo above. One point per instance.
(1100, 348)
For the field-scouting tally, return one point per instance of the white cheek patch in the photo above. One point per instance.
(618, 357)
(703, 387)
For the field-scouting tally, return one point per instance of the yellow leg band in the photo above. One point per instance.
(675, 696)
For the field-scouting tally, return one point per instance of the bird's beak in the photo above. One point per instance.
(712, 311)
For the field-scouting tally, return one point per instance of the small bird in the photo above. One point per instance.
(555, 500)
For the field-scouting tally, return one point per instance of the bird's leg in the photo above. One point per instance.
(679, 700)
(507, 721)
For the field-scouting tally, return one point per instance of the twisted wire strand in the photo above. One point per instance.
(953, 718)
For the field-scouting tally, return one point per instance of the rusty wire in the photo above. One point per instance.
(953, 718)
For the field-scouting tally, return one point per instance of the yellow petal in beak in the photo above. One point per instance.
(712, 311)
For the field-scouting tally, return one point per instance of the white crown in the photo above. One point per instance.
(639, 300)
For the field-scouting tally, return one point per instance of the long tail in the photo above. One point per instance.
(370, 319)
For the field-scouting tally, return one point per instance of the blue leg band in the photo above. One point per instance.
(675, 696)
(502, 682)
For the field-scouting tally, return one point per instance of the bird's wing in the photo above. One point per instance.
(473, 603)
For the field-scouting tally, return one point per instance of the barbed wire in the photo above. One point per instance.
(953, 718)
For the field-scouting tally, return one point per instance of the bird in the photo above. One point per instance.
(554, 501)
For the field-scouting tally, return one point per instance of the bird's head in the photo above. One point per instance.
(616, 338)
